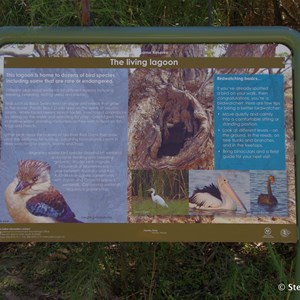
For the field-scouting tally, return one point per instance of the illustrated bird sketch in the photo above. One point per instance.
(31, 198)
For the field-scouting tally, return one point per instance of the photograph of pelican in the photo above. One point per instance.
(269, 193)
(216, 192)
(163, 192)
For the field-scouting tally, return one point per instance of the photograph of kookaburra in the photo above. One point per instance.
(31, 198)
(162, 192)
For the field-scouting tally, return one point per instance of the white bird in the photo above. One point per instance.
(157, 199)
(211, 197)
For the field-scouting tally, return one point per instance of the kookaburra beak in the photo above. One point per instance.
(21, 186)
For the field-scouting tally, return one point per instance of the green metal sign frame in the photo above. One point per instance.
(119, 35)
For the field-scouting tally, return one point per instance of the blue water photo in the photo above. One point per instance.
(277, 182)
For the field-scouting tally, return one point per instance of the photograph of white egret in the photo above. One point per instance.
(155, 192)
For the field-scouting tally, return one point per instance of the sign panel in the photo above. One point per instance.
(147, 142)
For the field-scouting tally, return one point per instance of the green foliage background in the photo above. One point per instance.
(147, 270)
(151, 12)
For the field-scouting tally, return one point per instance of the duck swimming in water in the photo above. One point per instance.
(268, 199)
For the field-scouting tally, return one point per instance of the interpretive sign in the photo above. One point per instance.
(161, 138)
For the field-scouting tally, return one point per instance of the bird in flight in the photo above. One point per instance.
(31, 198)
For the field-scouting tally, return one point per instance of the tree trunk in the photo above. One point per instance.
(171, 110)
(169, 127)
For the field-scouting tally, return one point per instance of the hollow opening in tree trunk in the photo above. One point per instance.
(177, 131)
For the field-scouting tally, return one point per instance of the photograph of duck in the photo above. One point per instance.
(269, 196)
(213, 191)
